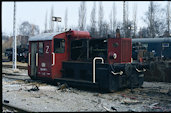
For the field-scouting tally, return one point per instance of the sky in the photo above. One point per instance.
(34, 12)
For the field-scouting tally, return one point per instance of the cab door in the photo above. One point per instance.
(44, 59)
(33, 63)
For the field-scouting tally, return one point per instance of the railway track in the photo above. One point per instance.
(19, 67)
(25, 78)
(7, 73)
(11, 108)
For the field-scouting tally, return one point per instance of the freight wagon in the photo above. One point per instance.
(153, 47)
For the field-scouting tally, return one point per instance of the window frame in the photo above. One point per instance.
(165, 44)
(41, 48)
(63, 48)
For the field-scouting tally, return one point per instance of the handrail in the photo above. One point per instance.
(117, 73)
(29, 59)
(36, 59)
(53, 54)
(140, 70)
(94, 61)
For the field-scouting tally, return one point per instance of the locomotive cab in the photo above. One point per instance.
(47, 52)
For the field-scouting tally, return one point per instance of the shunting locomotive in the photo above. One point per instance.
(76, 58)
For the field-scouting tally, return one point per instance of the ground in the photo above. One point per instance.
(42, 97)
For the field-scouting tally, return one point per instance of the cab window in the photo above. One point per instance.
(165, 44)
(59, 45)
(41, 47)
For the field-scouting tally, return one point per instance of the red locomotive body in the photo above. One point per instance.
(78, 34)
(71, 57)
(119, 50)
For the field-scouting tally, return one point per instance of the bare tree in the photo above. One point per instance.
(154, 20)
(74, 27)
(111, 22)
(168, 17)
(28, 29)
(25, 29)
(51, 22)
(45, 22)
(151, 19)
(121, 28)
(112, 17)
(151, 13)
(66, 18)
(93, 21)
(5, 42)
(128, 22)
(160, 22)
(105, 30)
(82, 16)
(4, 36)
(34, 30)
(143, 32)
(135, 20)
(100, 19)
(129, 28)
(127, 13)
(8, 44)
(124, 20)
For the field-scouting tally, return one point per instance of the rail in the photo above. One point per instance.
(19, 67)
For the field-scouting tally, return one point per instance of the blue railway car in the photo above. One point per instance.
(160, 47)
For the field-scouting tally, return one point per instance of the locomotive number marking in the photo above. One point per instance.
(47, 49)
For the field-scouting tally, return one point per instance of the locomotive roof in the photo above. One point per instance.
(151, 40)
(44, 36)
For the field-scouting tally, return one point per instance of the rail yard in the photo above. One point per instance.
(100, 65)
(72, 71)
(37, 96)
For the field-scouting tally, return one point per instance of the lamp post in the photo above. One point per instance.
(14, 41)
(57, 19)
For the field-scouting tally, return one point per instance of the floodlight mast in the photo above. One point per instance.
(14, 40)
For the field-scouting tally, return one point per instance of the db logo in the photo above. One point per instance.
(43, 65)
